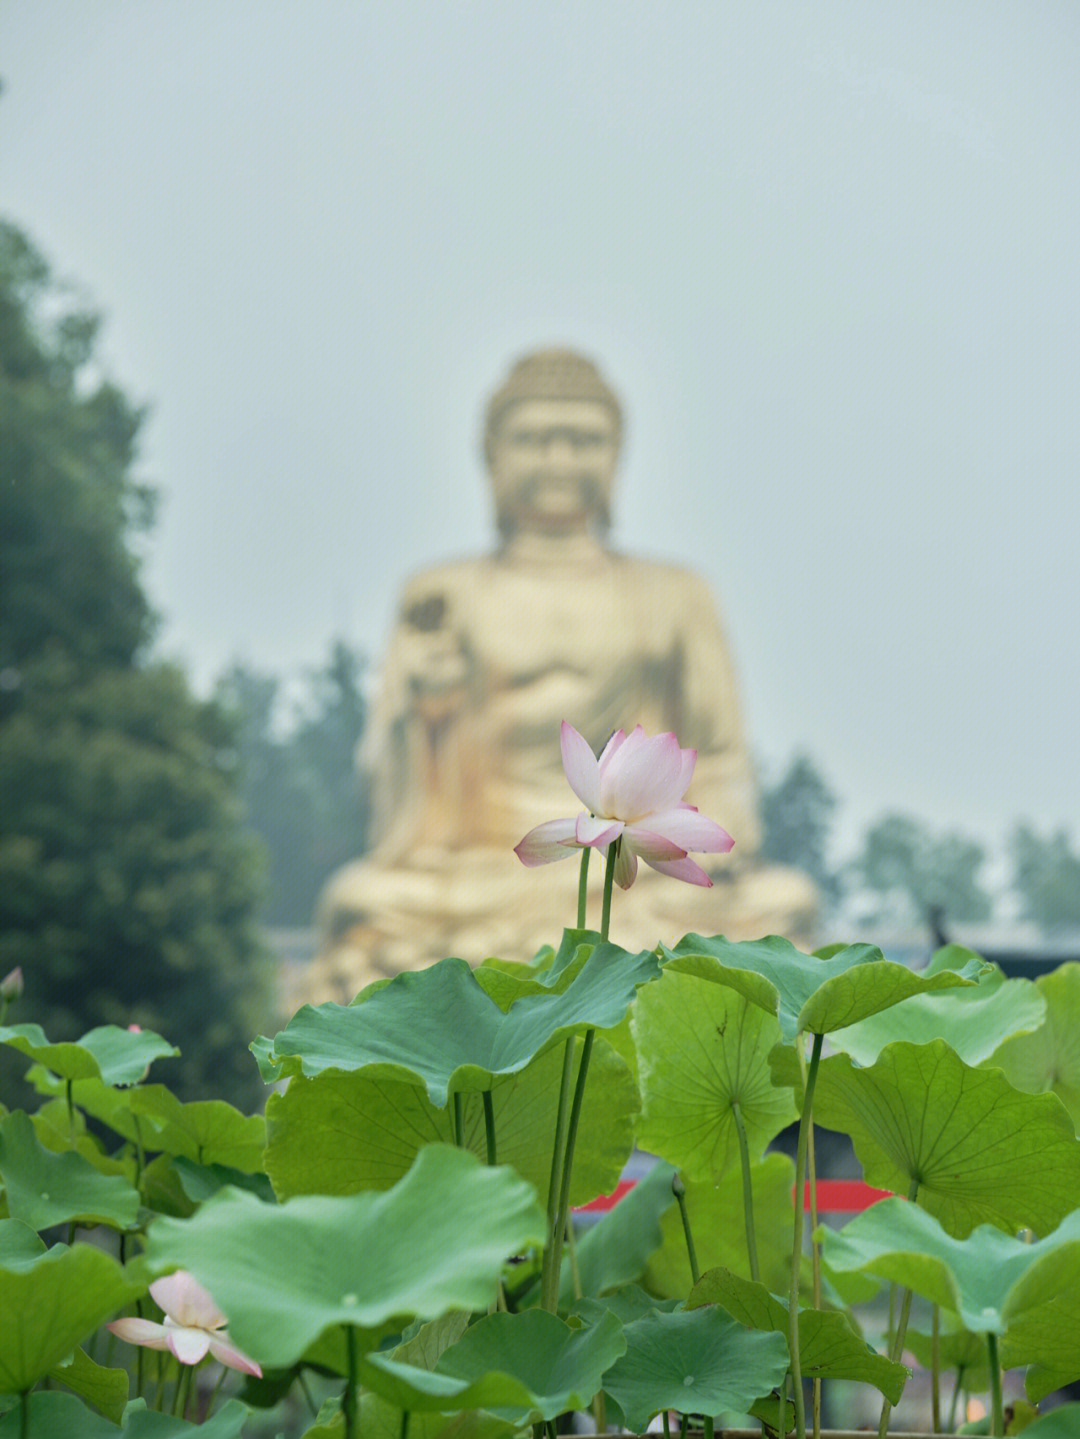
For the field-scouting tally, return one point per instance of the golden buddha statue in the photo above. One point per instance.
(488, 657)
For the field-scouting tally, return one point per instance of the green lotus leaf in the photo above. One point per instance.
(804, 992)
(143, 1423)
(1049, 1059)
(1027, 1294)
(438, 1027)
(262, 1048)
(523, 1367)
(162, 1189)
(18, 1243)
(971, 1020)
(57, 1416)
(627, 1304)
(105, 1389)
(552, 970)
(829, 1347)
(340, 1133)
(50, 1303)
(380, 1419)
(420, 1390)
(44, 1189)
(206, 1131)
(200, 1181)
(1061, 1423)
(1039, 1381)
(970, 1139)
(616, 1250)
(703, 1051)
(423, 1343)
(285, 1273)
(698, 1362)
(108, 1053)
(562, 1367)
(719, 1229)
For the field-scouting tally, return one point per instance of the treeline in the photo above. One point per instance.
(905, 871)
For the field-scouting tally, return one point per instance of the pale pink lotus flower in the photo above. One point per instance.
(194, 1326)
(11, 986)
(632, 794)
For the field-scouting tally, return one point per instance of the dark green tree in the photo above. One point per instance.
(127, 885)
(298, 777)
(1046, 876)
(902, 859)
(797, 816)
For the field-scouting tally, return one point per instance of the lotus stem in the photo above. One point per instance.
(562, 1163)
(570, 1239)
(549, 1289)
(935, 1369)
(456, 1119)
(568, 1160)
(678, 1188)
(489, 1125)
(305, 1389)
(896, 1348)
(583, 885)
(609, 876)
(956, 1398)
(217, 1391)
(815, 1264)
(348, 1399)
(159, 1391)
(796, 1248)
(747, 1193)
(183, 1390)
(997, 1423)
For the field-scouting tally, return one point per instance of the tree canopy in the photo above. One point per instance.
(127, 884)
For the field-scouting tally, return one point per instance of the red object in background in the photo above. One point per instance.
(844, 1196)
(835, 1196)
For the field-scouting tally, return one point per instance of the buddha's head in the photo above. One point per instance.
(552, 443)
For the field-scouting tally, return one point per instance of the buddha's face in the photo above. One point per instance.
(553, 462)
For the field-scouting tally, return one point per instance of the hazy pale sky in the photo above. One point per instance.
(827, 254)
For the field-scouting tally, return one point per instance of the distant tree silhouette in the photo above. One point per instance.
(797, 816)
(1046, 877)
(298, 780)
(901, 859)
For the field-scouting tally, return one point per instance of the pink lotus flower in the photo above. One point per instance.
(633, 796)
(194, 1326)
(11, 986)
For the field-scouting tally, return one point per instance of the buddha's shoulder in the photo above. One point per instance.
(449, 581)
(456, 582)
(663, 577)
